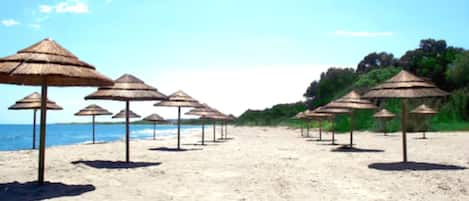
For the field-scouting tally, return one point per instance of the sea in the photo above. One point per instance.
(20, 136)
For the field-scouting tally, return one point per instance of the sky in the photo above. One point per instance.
(233, 55)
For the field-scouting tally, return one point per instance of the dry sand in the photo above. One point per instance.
(258, 164)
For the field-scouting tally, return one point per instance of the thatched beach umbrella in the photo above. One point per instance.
(404, 86)
(33, 102)
(213, 117)
(204, 110)
(384, 115)
(123, 114)
(154, 118)
(44, 64)
(179, 99)
(319, 117)
(424, 111)
(300, 116)
(93, 110)
(351, 101)
(333, 112)
(127, 88)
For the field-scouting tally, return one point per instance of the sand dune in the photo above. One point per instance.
(258, 164)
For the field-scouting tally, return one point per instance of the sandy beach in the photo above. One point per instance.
(256, 164)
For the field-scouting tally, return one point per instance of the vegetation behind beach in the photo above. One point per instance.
(446, 66)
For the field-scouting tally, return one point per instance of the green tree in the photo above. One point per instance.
(376, 60)
(431, 60)
(458, 72)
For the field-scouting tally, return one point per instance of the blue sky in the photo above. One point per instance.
(233, 55)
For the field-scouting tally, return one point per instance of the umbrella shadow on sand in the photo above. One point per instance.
(318, 140)
(167, 149)
(32, 191)
(102, 164)
(199, 144)
(344, 148)
(415, 166)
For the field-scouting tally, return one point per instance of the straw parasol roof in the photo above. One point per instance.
(46, 63)
(384, 114)
(316, 115)
(300, 115)
(352, 100)
(424, 110)
(127, 87)
(47, 59)
(232, 117)
(204, 109)
(179, 99)
(405, 85)
(33, 101)
(92, 110)
(333, 111)
(153, 118)
(121, 114)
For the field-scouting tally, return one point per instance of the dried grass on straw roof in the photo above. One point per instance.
(203, 110)
(154, 118)
(423, 110)
(300, 115)
(91, 110)
(127, 87)
(179, 99)
(352, 100)
(384, 114)
(405, 85)
(33, 101)
(47, 60)
(316, 115)
(121, 114)
(333, 111)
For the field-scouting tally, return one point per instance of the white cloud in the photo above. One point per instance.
(10, 22)
(68, 6)
(361, 33)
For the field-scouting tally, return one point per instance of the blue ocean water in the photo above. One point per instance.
(19, 137)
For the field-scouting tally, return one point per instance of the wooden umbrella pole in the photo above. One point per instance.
(34, 129)
(301, 130)
(179, 127)
(384, 127)
(333, 132)
(307, 128)
(42, 134)
(154, 130)
(221, 130)
(127, 115)
(351, 128)
(320, 130)
(203, 132)
(214, 137)
(404, 129)
(425, 128)
(226, 129)
(94, 128)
